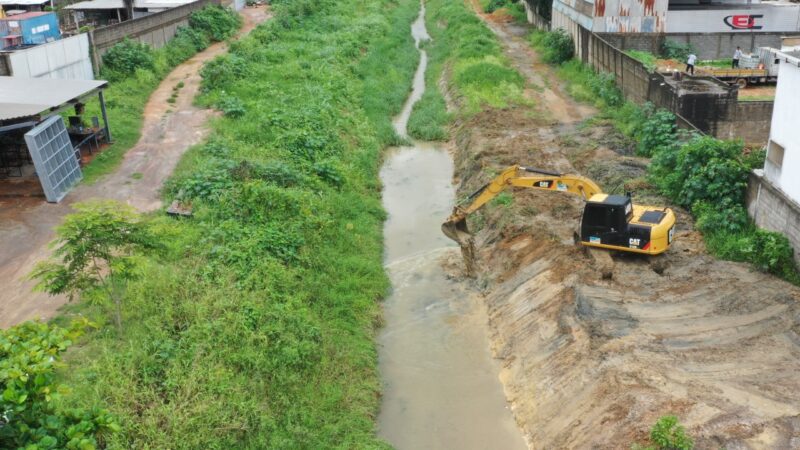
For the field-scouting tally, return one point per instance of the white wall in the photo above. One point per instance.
(776, 18)
(785, 130)
(66, 59)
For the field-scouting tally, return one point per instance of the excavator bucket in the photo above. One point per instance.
(457, 231)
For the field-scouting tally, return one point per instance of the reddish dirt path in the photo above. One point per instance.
(543, 86)
(26, 224)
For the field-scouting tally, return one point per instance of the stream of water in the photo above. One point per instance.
(441, 386)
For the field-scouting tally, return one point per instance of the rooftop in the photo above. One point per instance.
(25, 97)
(118, 4)
(27, 15)
(23, 2)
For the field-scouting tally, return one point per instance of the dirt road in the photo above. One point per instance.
(26, 224)
(592, 363)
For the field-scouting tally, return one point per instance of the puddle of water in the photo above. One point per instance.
(441, 386)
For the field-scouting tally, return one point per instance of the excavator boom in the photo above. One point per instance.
(519, 176)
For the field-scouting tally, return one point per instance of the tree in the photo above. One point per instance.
(95, 247)
(29, 419)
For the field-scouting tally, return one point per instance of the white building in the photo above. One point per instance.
(773, 194)
(782, 168)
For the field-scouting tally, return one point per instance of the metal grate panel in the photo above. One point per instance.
(54, 158)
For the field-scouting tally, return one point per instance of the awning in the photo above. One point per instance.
(23, 97)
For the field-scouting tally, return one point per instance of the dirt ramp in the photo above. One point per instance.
(591, 364)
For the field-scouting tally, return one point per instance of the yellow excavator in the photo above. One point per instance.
(609, 221)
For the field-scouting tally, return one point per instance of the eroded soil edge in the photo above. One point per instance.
(592, 363)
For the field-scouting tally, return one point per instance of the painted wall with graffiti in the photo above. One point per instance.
(630, 16)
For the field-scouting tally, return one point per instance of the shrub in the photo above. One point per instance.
(222, 70)
(675, 50)
(657, 132)
(216, 22)
(231, 106)
(29, 356)
(668, 434)
(705, 169)
(494, 5)
(127, 56)
(556, 46)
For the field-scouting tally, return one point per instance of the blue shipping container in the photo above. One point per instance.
(34, 27)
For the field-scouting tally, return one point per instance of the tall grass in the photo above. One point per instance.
(480, 76)
(255, 329)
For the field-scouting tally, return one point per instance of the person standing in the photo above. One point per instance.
(690, 63)
(736, 56)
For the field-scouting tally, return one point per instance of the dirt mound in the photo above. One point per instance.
(590, 362)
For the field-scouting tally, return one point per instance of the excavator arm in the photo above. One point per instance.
(519, 176)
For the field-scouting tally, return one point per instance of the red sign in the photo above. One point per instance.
(743, 21)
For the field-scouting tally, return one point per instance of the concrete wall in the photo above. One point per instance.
(773, 210)
(66, 59)
(534, 18)
(706, 45)
(749, 121)
(155, 29)
(701, 103)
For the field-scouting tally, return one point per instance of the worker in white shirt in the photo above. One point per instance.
(736, 56)
(690, 63)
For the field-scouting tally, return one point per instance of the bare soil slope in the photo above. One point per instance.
(592, 363)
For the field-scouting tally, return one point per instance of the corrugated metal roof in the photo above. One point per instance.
(23, 2)
(118, 4)
(97, 4)
(22, 97)
(27, 15)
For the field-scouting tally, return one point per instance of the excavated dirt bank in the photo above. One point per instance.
(592, 363)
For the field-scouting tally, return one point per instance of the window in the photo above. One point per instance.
(775, 154)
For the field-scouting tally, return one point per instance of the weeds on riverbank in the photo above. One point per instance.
(255, 327)
(135, 72)
(472, 57)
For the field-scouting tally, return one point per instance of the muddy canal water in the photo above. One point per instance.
(441, 386)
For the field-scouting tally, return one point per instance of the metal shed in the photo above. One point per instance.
(33, 104)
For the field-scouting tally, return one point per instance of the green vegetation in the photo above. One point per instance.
(396, 58)
(254, 326)
(134, 72)
(468, 53)
(706, 175)
(646, 58)
(555, 47)
(95, 250)
(675, 50)
(724, 63)
(667, 434)
(30, 417)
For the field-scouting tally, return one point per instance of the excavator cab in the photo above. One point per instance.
(614, 222)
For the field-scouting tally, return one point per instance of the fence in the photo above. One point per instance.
(155, 29)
